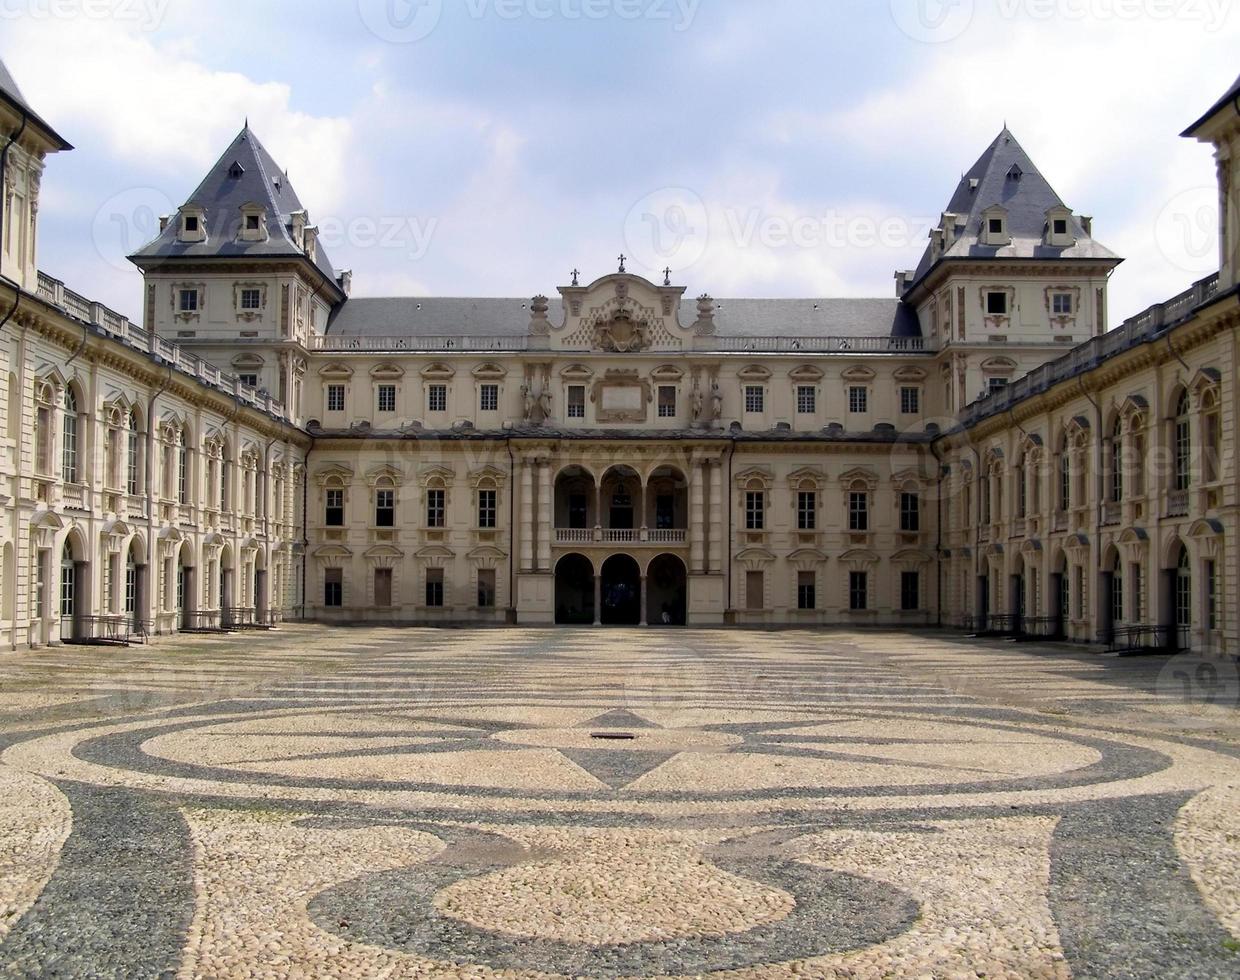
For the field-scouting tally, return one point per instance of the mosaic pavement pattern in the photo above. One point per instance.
(388, 803)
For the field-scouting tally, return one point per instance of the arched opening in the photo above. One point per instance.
(185, 605)
(1176, 596)
(621, 591)
(1182, 443)
(74, 589)
(622, 500)
(8, 587)
(667, 503)
(574, 591)
(135, 586)
(667, 594)
(1016, 593)
(69, 472)
(1059, 598)
(260, 586)
(576, 502)
(226, 582)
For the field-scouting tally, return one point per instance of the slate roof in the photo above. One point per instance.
(221, 194)
(13, 95)
(459, 317)
(1233, 94)
(1027, 198)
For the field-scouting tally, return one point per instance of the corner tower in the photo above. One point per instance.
(1012, 276)
(238, 275)
(25, 142)
(1220, 127)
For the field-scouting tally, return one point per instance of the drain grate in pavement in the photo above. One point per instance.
(614, 736)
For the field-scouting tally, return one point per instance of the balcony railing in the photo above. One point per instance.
(1177, 503)
(574, 535)
(627, 536)
(668, 536)
(1111, 513)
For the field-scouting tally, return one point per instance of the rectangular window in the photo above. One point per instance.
(251, 224)
(487, 508)
(248, 379)
(182, 475)
(434, 508)
(755, 510)
(488, 398)
(385, 508)
(1060, 226)
(383, 587)
(996, 226)
(910, 591)
(189, 301)
(995, 384)
(437, 398)
(131, 587)
(335, 398)
(486, 588)
(807, 591)
(910, 401)
(1079, 575)
(1117, 599)
(664, 512)
(667, 402)
(910, 512)
(997, 304)
(434, 588)
(858, 399)
(1061, 304)
(42, 441)
(334, 511)
(387, 398)
(576, 401)
(755, 399)
(858, 511)
(807, 399)
(807, 510)
(755, 591)
(333, 587)
(858, 591)
(251, 299)
(1137, 605)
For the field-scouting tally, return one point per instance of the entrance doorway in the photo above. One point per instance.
(666, 592)
(574, 591)
(621, 591)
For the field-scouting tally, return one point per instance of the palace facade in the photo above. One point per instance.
(978, 451)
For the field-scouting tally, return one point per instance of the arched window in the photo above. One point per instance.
(133, 455)
(1211, 436)
(1183, 443)
(69, 443)
(385, 503)
(182, 468)
(1022, 486)
(1117, 463)
(68, 590)
(225, 477)
(858, 507)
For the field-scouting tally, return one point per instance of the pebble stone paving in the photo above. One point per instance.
(320, 802)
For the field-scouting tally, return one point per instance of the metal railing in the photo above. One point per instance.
(1144, 639)
(115, 630)
(1041, 627)
(1177, 503)
(201, 621)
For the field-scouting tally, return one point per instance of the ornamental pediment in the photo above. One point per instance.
(621, 314)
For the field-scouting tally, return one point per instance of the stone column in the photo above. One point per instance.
(697, 525)
(644, 618)
(598, 600)
(718, 510)
(527, 515)
(546, 518)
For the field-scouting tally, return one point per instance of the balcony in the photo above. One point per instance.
(1111, 513)
(74, 496)
(567, 536)
(1177, 503)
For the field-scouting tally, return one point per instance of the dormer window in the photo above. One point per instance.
(1059, 228)
(994, 229)
(251, 222)
(193, 225)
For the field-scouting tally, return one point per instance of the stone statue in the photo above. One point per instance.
(698, 405)
(716, 402)
(544, 403)
(528, 393)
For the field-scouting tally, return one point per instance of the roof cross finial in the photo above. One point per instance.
(623, 259)
(576, 278)
(667, 276)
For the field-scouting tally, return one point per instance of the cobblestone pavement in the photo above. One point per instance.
(410, 803)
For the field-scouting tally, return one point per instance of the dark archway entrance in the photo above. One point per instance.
(621, 591)
(667, 592)
(574, 591)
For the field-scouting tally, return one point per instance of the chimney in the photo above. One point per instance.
(904, 278)
(311, 236)
(164, 219)
(1087, 223)
(345, 281)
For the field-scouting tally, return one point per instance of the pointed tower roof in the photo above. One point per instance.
(1005, 176)
(1231, 98)
(245, 175)
(10, 93)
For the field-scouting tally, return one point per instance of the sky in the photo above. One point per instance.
(490, 147)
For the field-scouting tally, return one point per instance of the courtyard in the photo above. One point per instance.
(528, 803)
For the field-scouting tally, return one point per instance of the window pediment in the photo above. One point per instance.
(577, 372)
(438, 372)
(859, 475)
(333, 471)
(859, 373)
(806, 374)
(910, 374)
(336, 371)
(385, 472)
(387, 371)
(667, 373)
(754, 372)
(489, 372)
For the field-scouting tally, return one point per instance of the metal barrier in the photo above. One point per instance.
(201, 621)
(103, 631)
(1143, 639)
(249, 618)
(1041, 628)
